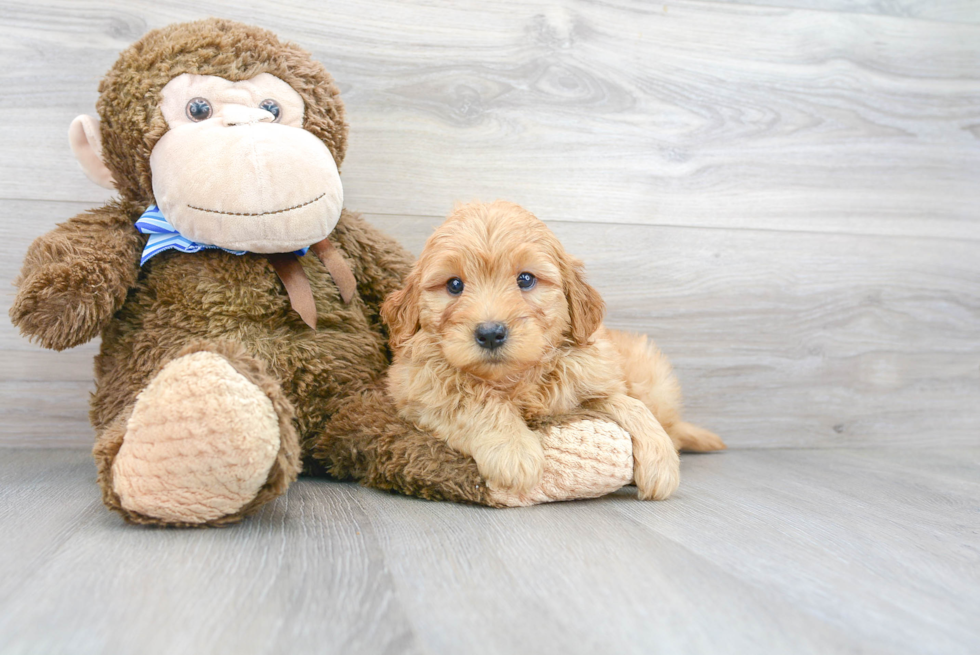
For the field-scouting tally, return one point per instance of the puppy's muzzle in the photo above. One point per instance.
(490, 335)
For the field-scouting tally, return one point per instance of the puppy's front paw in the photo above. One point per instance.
(657, 472)
(515, 463)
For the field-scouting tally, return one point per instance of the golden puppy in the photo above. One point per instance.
(496, 327)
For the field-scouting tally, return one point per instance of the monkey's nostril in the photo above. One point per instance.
(490, 335)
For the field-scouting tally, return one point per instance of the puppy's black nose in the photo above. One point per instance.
(491, 335)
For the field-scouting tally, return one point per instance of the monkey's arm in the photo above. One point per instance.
(367, 441)
(586, 456)
(378, 262)
(76, 276)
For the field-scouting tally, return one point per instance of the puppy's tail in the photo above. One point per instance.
(690, 437)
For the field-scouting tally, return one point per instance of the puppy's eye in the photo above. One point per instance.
(454, 286)
(526, 280)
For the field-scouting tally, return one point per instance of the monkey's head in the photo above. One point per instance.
(236, 136)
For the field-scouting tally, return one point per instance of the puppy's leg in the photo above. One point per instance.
(650, 377)
(656, 467)
(506, 451)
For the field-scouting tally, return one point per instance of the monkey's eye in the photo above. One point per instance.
(526, 280)
(454, 286)
(198, 109)
(272, 107)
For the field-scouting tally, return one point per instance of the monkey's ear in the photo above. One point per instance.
(85, 138)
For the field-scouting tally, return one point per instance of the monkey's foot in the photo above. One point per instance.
(583, 459)
(200, 444)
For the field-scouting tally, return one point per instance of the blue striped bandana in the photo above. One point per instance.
(164, 236)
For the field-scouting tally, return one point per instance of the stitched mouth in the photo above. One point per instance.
(277, 211)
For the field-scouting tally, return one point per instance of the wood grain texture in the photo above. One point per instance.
(784, 198)
(683, 113)
(779, 338)
(306, 576)
(954, 11)
(802, 551)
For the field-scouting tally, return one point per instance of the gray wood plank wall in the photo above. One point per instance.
(785, 196)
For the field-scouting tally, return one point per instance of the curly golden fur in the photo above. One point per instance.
(497, 328)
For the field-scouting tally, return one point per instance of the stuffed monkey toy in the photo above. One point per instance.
(238, 302)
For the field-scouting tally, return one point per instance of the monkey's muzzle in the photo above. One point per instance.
(258, 186)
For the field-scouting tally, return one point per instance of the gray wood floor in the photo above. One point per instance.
(765, 551)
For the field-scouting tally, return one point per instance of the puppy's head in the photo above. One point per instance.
(496, 291)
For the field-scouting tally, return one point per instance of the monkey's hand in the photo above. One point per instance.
(77, 276)
(584, 457)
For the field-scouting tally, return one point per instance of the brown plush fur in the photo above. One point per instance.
(129, 97)
(84, 279)
(383, 454)
(555, 357)
(97, 252)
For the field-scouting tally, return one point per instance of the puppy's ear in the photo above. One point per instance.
(400, 312)
(585, 305)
